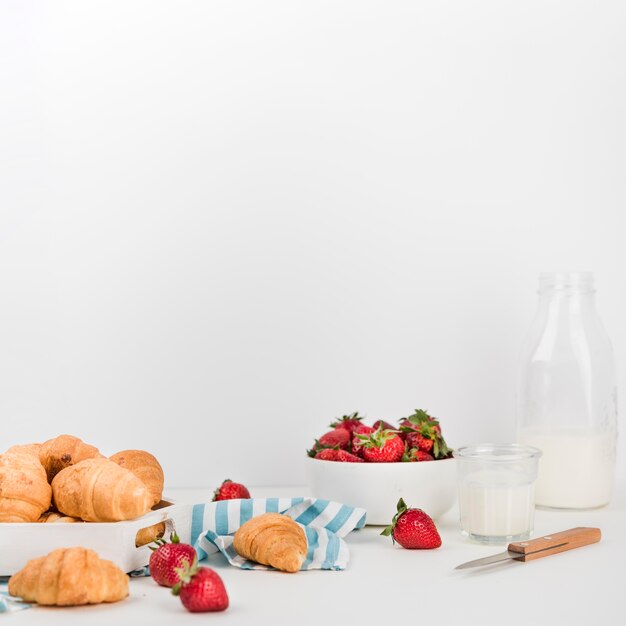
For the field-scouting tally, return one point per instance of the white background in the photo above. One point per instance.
(224, 223)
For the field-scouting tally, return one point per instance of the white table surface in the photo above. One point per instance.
(386, 584)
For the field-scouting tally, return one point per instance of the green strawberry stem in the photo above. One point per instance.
(174, 538)
(378, 438)
(354, 417)
(185, 574)
(420, 416)
(402, 509)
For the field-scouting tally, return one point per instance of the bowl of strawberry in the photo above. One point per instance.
(372, 466)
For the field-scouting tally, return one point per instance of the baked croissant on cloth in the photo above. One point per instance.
(250, 535)
(272, 539)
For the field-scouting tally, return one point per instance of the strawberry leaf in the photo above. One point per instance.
(378, 438)
(354, 417)
(387, 532)
(419, 417)
(401, 510)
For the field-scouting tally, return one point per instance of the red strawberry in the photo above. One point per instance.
(167, 558)
(339, 437)
(201, 590)
(348, 422)
(413, 529)
(229, 490)
(384, 424)
(382, 446)
(428, 427)
(357, 447)
(417, 440)
(414, 454)
(331, 454)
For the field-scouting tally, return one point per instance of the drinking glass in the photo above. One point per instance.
(497, 491)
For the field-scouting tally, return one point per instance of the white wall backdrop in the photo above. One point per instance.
(224, 223)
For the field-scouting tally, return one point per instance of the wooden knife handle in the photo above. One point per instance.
(558, 542)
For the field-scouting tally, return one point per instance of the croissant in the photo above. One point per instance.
(24, 491)
(145, 467)
(145, 536)
(69, 577)
(28, 448)
(54, 517)
(62, 451)
(99, 490)
(272, 539)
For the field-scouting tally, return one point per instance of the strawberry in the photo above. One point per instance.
(413, 529)
(229, 490)
(414, 454)
(357, 447)
(332, 454)
(384, 424)
(417, 440)
(428, 427)
(348, 422)
(201, 589)
(166, 558)
(382, 446)
(339, 437)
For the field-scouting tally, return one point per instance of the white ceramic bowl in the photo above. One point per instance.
(377, 487)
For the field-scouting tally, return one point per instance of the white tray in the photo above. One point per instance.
(114, 541)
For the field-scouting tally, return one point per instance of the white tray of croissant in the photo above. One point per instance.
(65, 493)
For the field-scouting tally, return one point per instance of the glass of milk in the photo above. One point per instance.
(497, 491)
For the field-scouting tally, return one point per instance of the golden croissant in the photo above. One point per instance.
(145, 466)
(28, 448)
(24, 490)
(62, 451)
(272, 539)
(99, 490)
(54, 517)
(69, 577)
(145, 536)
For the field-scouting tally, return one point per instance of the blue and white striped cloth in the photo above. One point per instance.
(325, 523)
(8, 603)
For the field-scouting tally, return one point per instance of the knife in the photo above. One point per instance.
(540, 547)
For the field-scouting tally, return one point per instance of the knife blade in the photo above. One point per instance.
(540, 547)
(496, 558)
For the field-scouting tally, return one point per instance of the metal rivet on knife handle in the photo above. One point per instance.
(555, 543)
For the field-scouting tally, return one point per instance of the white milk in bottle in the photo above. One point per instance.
(567, 401)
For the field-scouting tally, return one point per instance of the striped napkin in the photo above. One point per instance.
(325, 523)
(8, 603)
